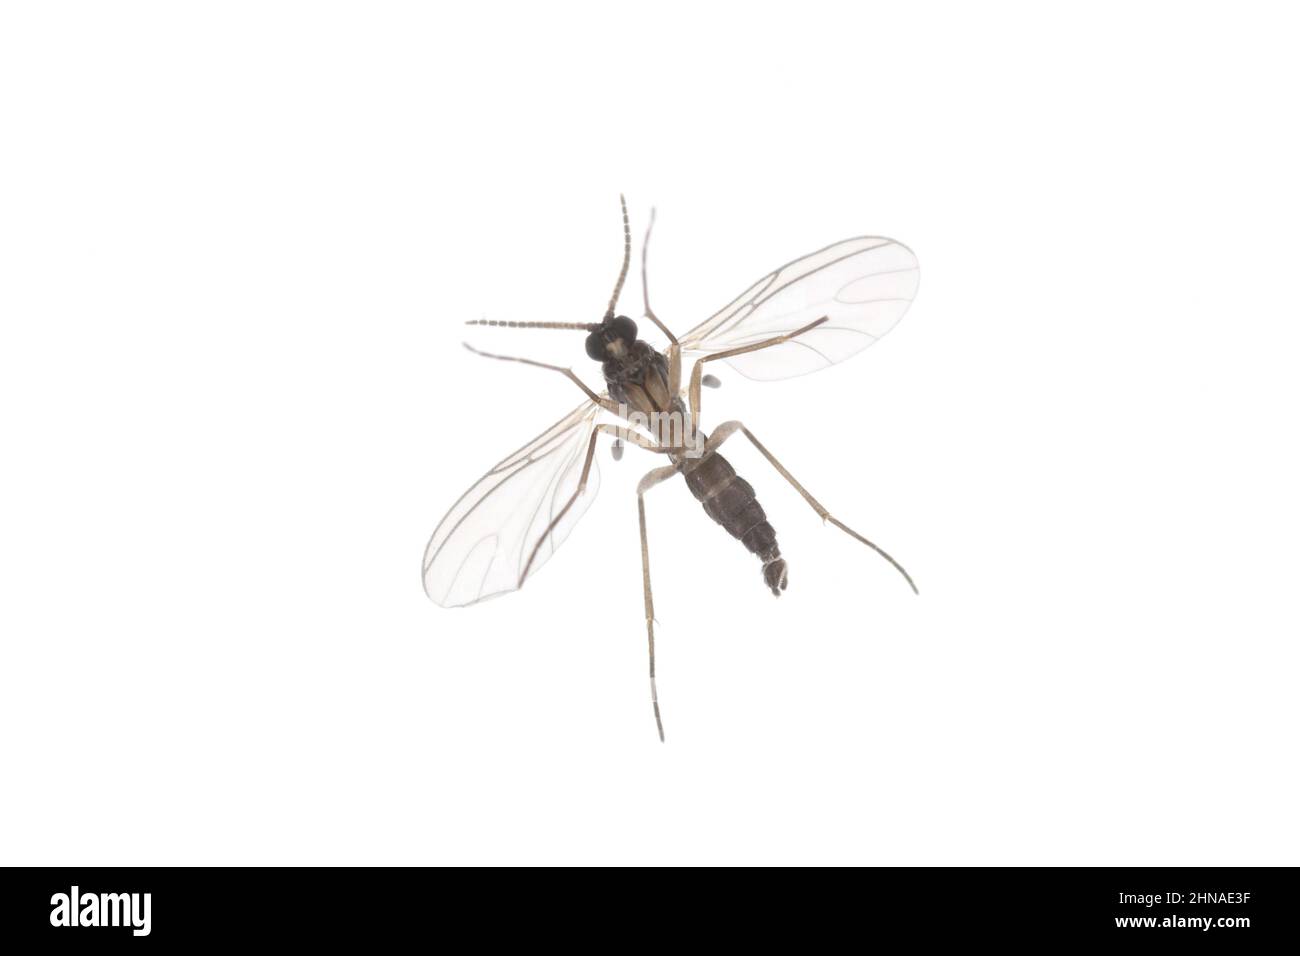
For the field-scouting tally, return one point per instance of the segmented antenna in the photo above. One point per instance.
(583, 326)
(627, 258)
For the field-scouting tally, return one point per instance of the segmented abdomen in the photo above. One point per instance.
(729, 500)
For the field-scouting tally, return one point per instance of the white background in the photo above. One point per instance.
(237, 244)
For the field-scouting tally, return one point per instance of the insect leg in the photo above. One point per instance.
(698, 370)
(727, 429)
(604, 403)
(674, 353)
(623, 433)
(651, 479)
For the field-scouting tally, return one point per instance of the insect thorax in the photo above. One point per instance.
(639, 379)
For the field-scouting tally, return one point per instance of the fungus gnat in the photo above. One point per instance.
(805, 316)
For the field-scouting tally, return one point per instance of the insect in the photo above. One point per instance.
(804, 316)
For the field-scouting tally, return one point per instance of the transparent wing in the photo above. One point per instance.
(481, 547)
(863, 286)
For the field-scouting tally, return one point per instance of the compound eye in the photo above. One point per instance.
(596, 346)
(623, 328)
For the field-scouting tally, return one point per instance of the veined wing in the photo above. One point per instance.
(481, 547)
(863, 286)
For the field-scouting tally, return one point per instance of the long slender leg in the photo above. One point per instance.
(623, 433)
(651, 479)
(674, 354)
(604, 403)
(727, 429)
(698, 368)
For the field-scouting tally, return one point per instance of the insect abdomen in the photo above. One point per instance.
(730, 501)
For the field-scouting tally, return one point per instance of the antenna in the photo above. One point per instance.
(627, 258)
(584, 326)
